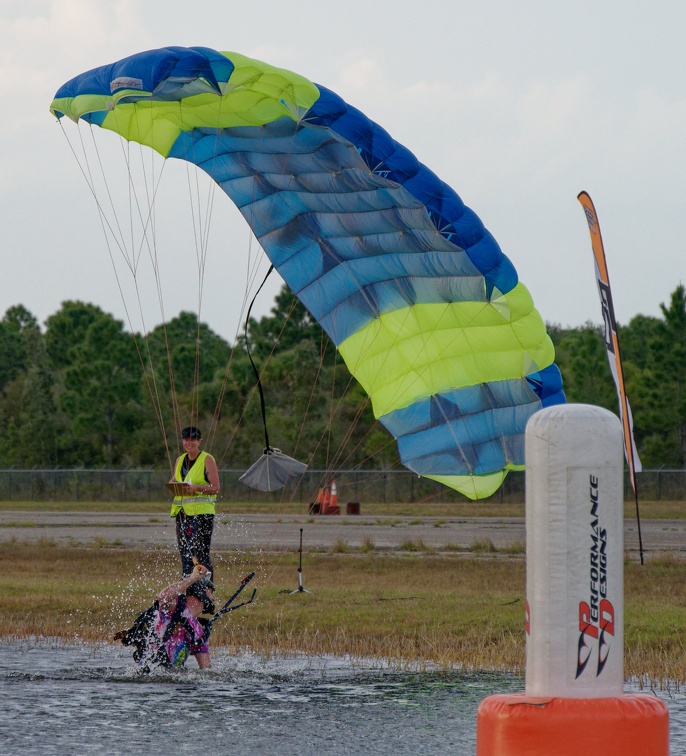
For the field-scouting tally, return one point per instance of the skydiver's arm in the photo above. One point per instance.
(168, 597)
(173, 477)
(212, 475)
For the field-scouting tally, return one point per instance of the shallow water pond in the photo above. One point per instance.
(70, 698)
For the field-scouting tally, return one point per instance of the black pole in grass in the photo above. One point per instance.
(300, 588)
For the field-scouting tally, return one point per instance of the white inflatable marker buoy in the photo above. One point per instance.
(575, 602)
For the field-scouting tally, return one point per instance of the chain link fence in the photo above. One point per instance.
(399, 486)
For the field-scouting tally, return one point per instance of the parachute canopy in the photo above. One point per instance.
(417, 296)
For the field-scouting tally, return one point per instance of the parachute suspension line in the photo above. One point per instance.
(267, 447)
(149, 242)
(263, 406)
(304, 418)
(88, 176)
(331, 414)
(225, 378)
(200, 243)
(154, 262)
(148, 231)
(201, 236)
(336, 462)
(117, 236)
(216, 415)
(111, 236)
(323, 347)
(146, 218)
(239, 422)
(251, 276)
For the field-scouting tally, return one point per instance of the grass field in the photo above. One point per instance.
(648, 509)
(443, 610)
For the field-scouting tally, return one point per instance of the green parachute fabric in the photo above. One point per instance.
(416, 294)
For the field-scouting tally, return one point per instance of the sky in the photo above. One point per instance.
(517, 106)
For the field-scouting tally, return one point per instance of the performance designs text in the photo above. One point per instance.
(597, 615)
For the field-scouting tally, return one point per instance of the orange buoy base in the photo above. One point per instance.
(521, 725)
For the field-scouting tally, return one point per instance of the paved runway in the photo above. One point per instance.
(279, 532)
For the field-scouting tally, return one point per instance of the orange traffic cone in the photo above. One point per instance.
(334, 498)
(326, 501)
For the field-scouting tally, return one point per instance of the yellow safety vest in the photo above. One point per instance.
(196, 503)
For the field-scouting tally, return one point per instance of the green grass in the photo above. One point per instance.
(444, 609)
(648, 509)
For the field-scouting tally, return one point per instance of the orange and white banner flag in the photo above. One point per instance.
(611, 340)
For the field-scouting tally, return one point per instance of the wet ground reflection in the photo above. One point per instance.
(60, 698)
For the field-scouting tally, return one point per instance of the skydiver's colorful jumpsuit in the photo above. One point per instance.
(186, 638)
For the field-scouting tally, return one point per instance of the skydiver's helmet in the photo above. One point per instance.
(199, 590)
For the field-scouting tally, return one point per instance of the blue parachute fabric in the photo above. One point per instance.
(347, 249)
(367, 263)
(165, 72)
(365, 235)
(547, 384)
(446, 424)
(388, 158)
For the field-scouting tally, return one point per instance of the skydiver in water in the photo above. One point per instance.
(171, 629)
(168, 632)
(194, 510)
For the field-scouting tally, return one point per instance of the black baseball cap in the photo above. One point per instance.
(191, 431)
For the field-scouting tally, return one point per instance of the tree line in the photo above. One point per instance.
(82, 391)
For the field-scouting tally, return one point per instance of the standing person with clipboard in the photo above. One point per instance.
(195, 486)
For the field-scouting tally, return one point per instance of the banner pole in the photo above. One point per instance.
(612, 346)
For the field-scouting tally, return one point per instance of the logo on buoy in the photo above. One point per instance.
(597, 615)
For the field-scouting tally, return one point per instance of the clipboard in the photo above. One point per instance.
(178, 489)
